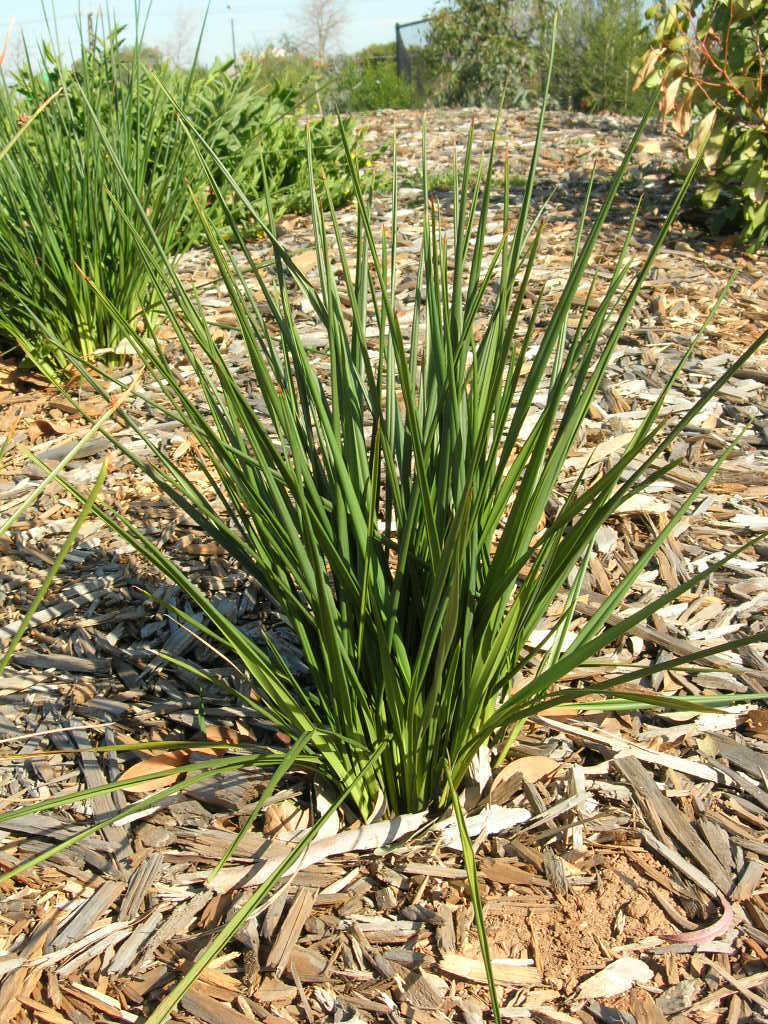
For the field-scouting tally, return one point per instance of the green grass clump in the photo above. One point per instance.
(61, 232)
(28, 502)
(68, 224)
(395, 516)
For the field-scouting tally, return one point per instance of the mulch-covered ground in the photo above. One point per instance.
(621, 856)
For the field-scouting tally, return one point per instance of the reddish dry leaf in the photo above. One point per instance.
(711, 932)
(219, 734)
(148, 766)
(757, 722)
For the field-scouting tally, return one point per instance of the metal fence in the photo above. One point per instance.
(411, 39)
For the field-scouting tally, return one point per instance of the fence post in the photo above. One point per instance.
(403, 52)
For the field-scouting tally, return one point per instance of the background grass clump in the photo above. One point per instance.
(66, 224)
(368, 80)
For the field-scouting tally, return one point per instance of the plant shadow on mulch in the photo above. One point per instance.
(653, 189)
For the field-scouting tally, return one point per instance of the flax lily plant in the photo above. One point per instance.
(6, 445)
(394, 514)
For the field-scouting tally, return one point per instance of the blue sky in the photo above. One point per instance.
(256, 23)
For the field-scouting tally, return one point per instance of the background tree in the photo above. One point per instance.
(598, 42)
(479, 47)
(322, 25)
(182, 41)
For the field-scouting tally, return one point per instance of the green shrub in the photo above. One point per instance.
(65, 218)
(598, 41)
(250, 123)
(369, 81)
(479, 50)
(709, 58)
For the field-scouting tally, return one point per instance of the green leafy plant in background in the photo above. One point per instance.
(285, 64)
(709, 58)
(365, 80)
(395, 517)
(64, 239)
(479, 51)
(598, 42)
(250, 122)
(368, 80)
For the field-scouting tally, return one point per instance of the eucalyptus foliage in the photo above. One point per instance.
(400, 517)
(710, 59)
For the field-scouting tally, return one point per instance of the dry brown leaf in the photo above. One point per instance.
(681, 118)
(219, 734)
(524, 769)
(283, 819)
(49, 428)
(669, 95)
(651, 60)
(148, 766)
(757, 722)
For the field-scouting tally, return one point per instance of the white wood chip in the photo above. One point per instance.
(620, 976)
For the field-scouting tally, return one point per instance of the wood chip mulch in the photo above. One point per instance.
(621, 857)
